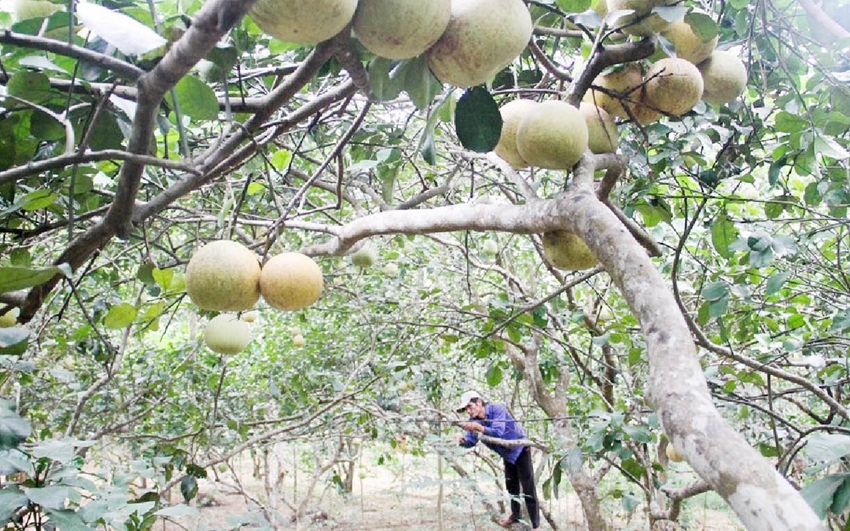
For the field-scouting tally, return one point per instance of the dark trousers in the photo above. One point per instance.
(521, 474)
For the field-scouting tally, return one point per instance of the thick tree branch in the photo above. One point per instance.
(211, 23)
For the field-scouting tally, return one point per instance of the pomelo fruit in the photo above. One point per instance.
(483, 37)
(400, 29)
(303, 22)
(673, 86)
(603, 136)
(725, 77)
(552, 135)
(626, 82)
(565, 250)
(512, 112)
(688, 45)
(227, 334)
(223, 275)
(291, 281)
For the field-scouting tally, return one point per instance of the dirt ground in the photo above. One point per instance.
(401, 494)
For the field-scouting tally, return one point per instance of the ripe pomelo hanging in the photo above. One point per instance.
(227, 334)
(303, 22)
(567, 251)
(725, 77)
(512, 113)
(673, 86)
(552, 135)
(291, 281)
(483, 37)
(400, 29)
(223, 275)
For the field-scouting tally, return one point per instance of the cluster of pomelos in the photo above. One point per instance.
(226, 276)
(465, 41)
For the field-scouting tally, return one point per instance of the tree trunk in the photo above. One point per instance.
(677, 390)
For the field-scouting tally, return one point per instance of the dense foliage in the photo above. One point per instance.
(105, 194)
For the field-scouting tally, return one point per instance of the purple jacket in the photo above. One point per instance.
(500, 424)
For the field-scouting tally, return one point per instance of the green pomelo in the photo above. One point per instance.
(365, 256)
(673, 86)
(291, 281)
(565, 250)
(303, 22)
(603, 136)
(725, 77)
(512, 113)
(227, 334)
(224, 276)
(10, 318)
(626, 82)
(688, 45)
(400, 29)
(483, 37)
(553, 135)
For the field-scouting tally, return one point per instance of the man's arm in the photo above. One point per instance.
(470, 439)
(499, 418)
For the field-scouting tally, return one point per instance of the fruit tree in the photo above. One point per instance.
(666, 182)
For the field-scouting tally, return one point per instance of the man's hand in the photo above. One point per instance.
(472, 426)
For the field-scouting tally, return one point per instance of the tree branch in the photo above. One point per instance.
(823, 20)
(123, 68)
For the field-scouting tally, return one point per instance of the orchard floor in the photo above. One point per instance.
(405, 495)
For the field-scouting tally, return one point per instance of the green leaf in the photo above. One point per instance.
(493, 375)
(702, 25)
(178, 511)
(381, 86)
(29, 86)
(790, 123)
(827, 447)
(61, 451)
(829, 147)
(775, 282)
(48, 497)
(281, 159)
(723, 234)
(45, 127)
(812, 195)
(715, 291)
(188, 488)
(819, 494)
(130, 36)
(841, 498)
(841, 321)
(14, 340)
(120, 316)
(718, 307)
(32, 201)
(11, 499)
(671, 13)
(763, 258)
(773, 210)
(478, 122)
(69, 521)
(196, 99)
(416, 78)
(163, 277)
(574, 6)
(13, 429)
